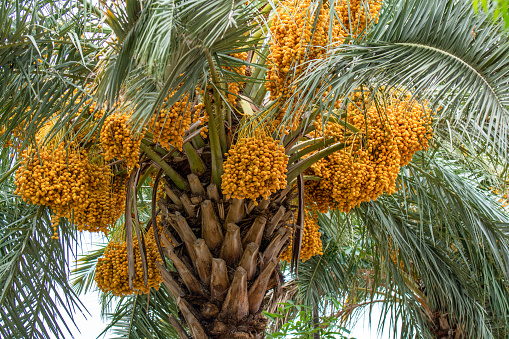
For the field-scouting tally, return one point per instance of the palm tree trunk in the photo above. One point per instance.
(225, 254)
(316, 322)
(442, 328)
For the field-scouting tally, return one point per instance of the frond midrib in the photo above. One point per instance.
(463, 62)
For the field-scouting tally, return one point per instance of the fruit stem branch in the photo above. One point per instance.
(143, 178)
(217, 116)
(258, 76)
(308, 147)
(262, 30)
(215, 145)
(9, 172)
(174, 176)
(194, 159)
(301, 166)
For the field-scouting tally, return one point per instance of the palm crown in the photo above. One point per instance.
(364, 144)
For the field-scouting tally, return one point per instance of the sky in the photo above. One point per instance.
(362, 330)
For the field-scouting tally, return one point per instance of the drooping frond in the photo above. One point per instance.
(36, 299)
(47, 54)
(167, 48)
(143, 316)
(441, 51)
(437, 246)
(84, 273)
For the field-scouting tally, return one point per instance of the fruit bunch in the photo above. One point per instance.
(504, 202)
(311, 242)
(355, 16)
(370, 162)
(300, 33)
(204, 119)
(411, 125)
(83, 126)
(112, 273)
(65, 180)
(293, 43)
(255, 166)
(58, 179)
(118, 141)
(170, 124)
(318, 193)
(13, 138)
(234, 86)
(105, 202)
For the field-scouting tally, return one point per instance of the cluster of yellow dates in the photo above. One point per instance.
(370, 161)
(302, 31)
(118, 141)
(66, 178)
(69, 173)
(72, 184)
(235, 86)
(170, 124)
(311, 241)
(112, 273)
(254, 167)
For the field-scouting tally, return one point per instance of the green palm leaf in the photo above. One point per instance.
(437, 245)
(143, 316)
(438, 50)
(36, 298)
(47, 53)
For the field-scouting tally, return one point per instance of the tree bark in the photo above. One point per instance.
(255, 233)
(316, 322)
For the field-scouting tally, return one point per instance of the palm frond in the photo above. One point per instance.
(36, 299)
(164, 51)
(46, 60)
(439, 50)
(143, 316)
(441, 246)
(437, 246)
(84, 273)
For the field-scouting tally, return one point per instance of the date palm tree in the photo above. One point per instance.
(435, 250)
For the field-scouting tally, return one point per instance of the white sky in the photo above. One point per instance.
(362, 330)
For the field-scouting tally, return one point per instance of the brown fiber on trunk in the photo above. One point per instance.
(172, 196)
(203, 262)
(188, 205)
(219, 281)
(195, 185)
(443, 327)
(213, 193)
(231, 251)
(236, 304)
(236, 211)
